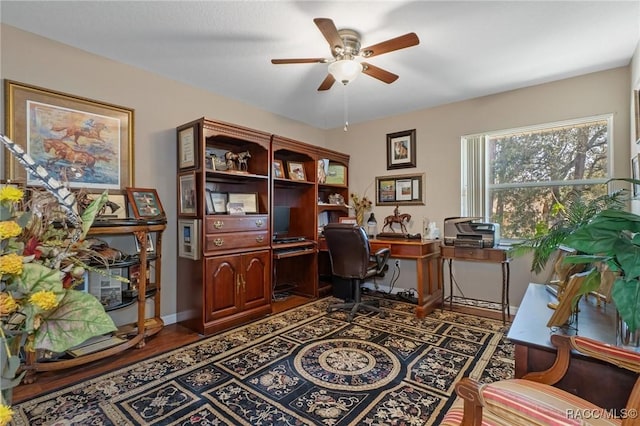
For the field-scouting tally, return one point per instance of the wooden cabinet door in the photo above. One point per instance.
(256, 279)
(223, 276)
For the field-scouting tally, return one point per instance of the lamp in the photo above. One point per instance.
(345, 70)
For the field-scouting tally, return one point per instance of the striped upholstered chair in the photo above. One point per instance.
(533, 400)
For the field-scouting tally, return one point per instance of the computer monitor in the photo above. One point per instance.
(281, 215)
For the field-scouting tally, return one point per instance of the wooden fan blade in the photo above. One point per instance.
(330, 32)
(397, 43)
(327, 83)
(378, 73)
(298, 61)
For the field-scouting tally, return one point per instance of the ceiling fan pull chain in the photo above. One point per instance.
(346, 108)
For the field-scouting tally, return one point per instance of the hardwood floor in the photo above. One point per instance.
(171, 337)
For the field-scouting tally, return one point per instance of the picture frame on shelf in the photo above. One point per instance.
(336, 174)
(401, 149)
(323, 170)
(114, 208)
(278, 169)
(189, 239)
(188, 203)
(347, 219)
(235, 208)
(296, 171)
(150, 247)
(400, 190)
(248, 201)
(106, 287)
(145, 203)
(187, 151)
(209, 202)
(77, 128)
(219, 201)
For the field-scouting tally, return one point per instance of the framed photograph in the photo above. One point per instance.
(323, 170)
(296, 171)
(187, 152)
(278, 169)
(209, 202)
(114, 208)
(187, 190)
(145, 202)
(336, 174)
(150, 248)
(400, 190)
(401, 149)
(249, 202)
(219, 201)
(105, 286)
(235, 208)
(635, 174)
(347, 219)
(188, 239)
(84, 142)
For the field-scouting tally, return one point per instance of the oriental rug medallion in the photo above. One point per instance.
(300, 367)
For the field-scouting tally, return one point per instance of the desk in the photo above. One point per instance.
(487, 255)
(604, 384)
(428, 267)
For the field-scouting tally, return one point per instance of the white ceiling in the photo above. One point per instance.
(467, 48)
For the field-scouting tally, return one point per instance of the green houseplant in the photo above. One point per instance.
(612, 237)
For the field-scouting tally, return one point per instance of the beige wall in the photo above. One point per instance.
(161, 104)
(438, 153)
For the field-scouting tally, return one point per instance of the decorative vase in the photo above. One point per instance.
(360, 217)
(624, 336)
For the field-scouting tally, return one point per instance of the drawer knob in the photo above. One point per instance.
(218, 242)
(260, 238)
(218, 224)
(259, 223)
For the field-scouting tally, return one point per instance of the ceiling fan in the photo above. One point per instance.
(345, 47)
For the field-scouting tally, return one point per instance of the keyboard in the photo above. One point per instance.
(289, 240)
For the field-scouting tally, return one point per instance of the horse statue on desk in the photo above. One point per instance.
(397, 218)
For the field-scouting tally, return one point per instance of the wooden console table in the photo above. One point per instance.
(604, 384)
(487, 255)
(428, 267)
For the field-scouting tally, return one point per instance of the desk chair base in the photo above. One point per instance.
(355, 306)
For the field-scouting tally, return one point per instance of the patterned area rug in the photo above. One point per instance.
(300, 367)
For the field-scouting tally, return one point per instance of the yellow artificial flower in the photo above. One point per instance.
(9, 229)
(8, 304)
(11, 264)
(10, 194)
(6, 414)
(44, 299)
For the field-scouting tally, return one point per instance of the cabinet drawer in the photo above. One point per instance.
(228, 223)
(226, 241)
(471, 253)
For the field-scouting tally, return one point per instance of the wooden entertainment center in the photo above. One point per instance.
(229, 267)
(605, 385)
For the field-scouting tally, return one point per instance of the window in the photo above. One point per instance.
(518, 177)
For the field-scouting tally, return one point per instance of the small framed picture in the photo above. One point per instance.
(278, 169)
(149, 244)
(105, 286)
(114, 208)
(235, 208)
(187, 148)
(296, 171)
(401, 149)
(347, 219)
(144, 202)
(188, 239)
(336, 174)
(187, 189)
(209, 202)
(219, 202)
(248, 201)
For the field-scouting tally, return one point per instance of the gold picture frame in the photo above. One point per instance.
(85, 143)
(296, 171)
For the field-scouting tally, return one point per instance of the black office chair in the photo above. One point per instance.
(351, 259)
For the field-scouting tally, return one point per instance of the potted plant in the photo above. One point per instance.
(612, 237)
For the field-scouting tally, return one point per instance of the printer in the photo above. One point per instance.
(466, 232)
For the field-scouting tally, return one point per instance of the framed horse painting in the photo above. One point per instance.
(81, 142)
(400, 190)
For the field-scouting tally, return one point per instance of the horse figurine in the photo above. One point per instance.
(238, 161)
(242, 160)
(396, 218)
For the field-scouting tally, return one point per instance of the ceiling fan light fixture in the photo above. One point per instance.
(345, 70)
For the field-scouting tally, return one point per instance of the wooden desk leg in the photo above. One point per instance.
(504, 304)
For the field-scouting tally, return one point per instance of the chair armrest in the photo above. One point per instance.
(559, 368)
(612, 354)
(469, 390)
(381, 257)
